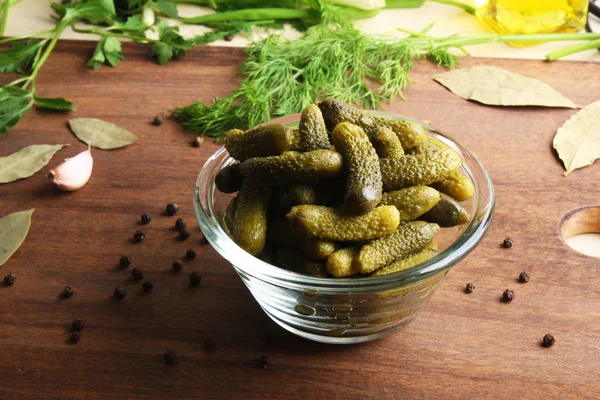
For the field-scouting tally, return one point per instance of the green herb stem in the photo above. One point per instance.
(253, 14)
(404, 3)
(5, 6)
(466, 7)
(27, 36)
(107, 32)
(239, 3)
(555, 55)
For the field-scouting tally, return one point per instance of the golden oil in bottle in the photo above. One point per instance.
(532, 16)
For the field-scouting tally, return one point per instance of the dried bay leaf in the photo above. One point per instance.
(499, 87)
(26, 162)
(13, 230)
(101, 134)
(578, 140)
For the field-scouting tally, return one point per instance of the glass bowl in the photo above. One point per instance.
(347, 310)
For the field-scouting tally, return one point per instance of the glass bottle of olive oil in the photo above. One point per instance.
(532, 16)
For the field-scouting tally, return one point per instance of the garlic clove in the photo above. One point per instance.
(74, 172)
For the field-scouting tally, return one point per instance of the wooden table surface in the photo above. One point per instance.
(461, 346)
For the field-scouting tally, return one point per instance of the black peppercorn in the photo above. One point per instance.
(120, 293)
(147, 286)
(146, 218)
(10, 279)
(170, 357)
(177, 265)
(67, 292)
(203, 239)
(125, 261)
(137, 274)
(172, 209)
(507, 243)
(524, 277)
(197, 142)
(548, 340)
(195, 279)
(229, 37)
(77, 325)
(508, 296)
(180, 223)
(75, 337)
(158, 120)
(264, 361)
(138, 236)
(210, 346)
(470, 287)
(190, 254)
(184, 233)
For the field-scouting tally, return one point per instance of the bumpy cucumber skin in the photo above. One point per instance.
(331, 224)
(312, 131)
(229, 179)
(411, 202)
(261, 141)
(250, 217)
(361, 166)
(456, 185)
(418, 169)
(407, 239)
(447, 213)
(295, 195)
(292, 167)
(294, 260)
(407, 262)
(340, 263)
(387, 144)
(334, 112)
(230, 214)
(282, 232)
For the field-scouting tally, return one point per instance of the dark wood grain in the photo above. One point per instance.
(461, 346)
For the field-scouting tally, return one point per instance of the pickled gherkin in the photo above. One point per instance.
(361, 166)
(229, 179)
(292, 167)
(334, 112)
(261, 141)
(418, 169)
(407, 239)
(340, 263)
(387, 144)
(411, 202)
(249, 220)
(295, 195)
(447, 213)
(312, 131)
(282, 232)
(407, 262)
(230, 214)
(330, 224)
(294, 260)
(456, 185)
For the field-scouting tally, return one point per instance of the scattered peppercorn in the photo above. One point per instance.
(190, 254)
(67, 292)
(158, 120)
(146, 218)
(138, 236)
(195, 278)
(77, 325)
(198, 141)
(548, 340)
(172, 209)
(210, 346)
(229, 37)
(264, 361)
(507, 243)
(184, 233)
(10, 279)
(125, 261)
(147, 286)
(524, 277)
(470, 287)
(75, 337)
(170, 357)
(137, 274)
(177, 265)
(203, 239)
(508, 296)
(180, 223)
(120, 293)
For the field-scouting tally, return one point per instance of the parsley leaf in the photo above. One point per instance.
(94, 11)
(134, 24)
(54, 103)
(14, 103)
(108, 50)
(20, 56)
(170, 43)
(167, 8)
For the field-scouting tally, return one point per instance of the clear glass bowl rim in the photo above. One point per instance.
(244, 263)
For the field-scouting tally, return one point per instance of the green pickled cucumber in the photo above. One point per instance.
(457, 185)
(230, 214)
(261, 141)
(295, 195)
(425, 147)
(312, 131)
(340, 263)
(331, 224)
(361, 166)
(334, 112)
(406, 263)
(281, 231)
(250, 217)
(292, 167)
(387, 144)
(418, 169)
(294, 260)
(447, 213)
(411, 202)
(229, 179)
(407, 239)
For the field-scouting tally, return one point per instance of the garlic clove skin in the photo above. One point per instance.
(74, 172)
